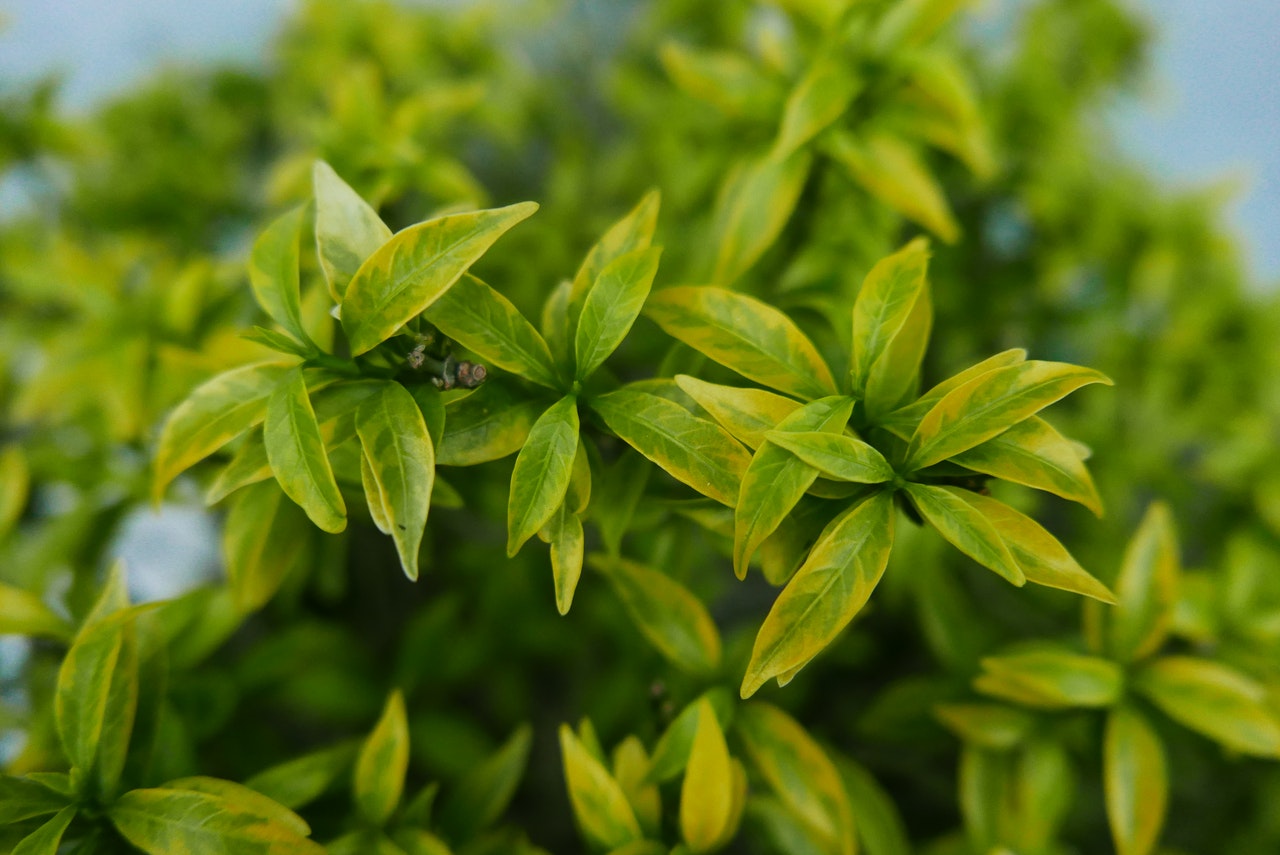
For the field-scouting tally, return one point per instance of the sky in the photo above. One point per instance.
(1213, 114)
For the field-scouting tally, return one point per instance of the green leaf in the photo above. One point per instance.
(273, 273)
(297, 455)
(165, 821)
(24, 798)
(880, 827)
(671, 754)
(819, 99)
(1042, 559)
(260, 543)
(297, 783)
(892, 171)
(415, 841)
(1035, 455)
(1135, 781)
(776, 479)
(554, 323)
(692, 450)
(374, 499)
(991, 403)
(488, 424)
(886, 300)
(401, 458)
(745, 413)
(23, 613)
(634, 231)
(1051, 678)
(667, 613)
(631, 769)
(485, 322)
(415, 267)
(895, 376)
(599, 803)
(97, 692)
(1146, 588)
(246, 797)
(742, 333)
(1215, 700)
(903, 421)
(215, 413)
(568, 542)
(382, 763)
(799, 772)
(992, 726)
(478, 800)
(612, 306)
(278, 341)
(45, 839)
(727, 81)
(15, 484)
(965, 528)
(348, 230)
(914, 22)
(542, 472)
(835, 455)
(706, 796)
(753, 208)
(826, 593)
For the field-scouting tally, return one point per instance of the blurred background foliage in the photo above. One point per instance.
(123, 286)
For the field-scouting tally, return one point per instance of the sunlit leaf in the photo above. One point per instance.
(348, 230)
(706, 796)
(298, 782)
(966, 528)
(167, 822)
(488, 424)
(611, 306)
(1135, 781)
(634, 231)
(23, 613)
(273, 273)
(1051, 678)
(1215, 700)
(382, 763)
(885, 302)
(297, 455)
(542, 472)
(728, 81)
(835, 455)
(1146, 588)
(993, 726)
(818, 99)
(745, 413)
(753, 209)
(904, 420)
(599, 804)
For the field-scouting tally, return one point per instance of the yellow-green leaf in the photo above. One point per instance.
(631, 768)
(398, 450)
(1216, 700)
(382, 763)
(991, 403)
(706, 796)
(243, 796)
(163, 821)
(913, 22)
(348, 230)
(634, 231)
(671, 754)
(260, 543)
(692, 450)
(568, 542)
(835, 455)
(15, 483)
(744, 334)
(1041, 557)
(745, 413)
(45, 839)
(273, 273)
(298, 782)
(776, 479)
(728, 81)
(484, 321)
(488, 424)
(23, 613)
(600, 805)
(879, 826)
(753, 208)
(821, 97)
(612, 306)
(903, 421)
(886, 300)
(1135, 781)
(297, 455)
(1146, 589)
(895, 376)
(667, 613)
(965, 528)
(542, 472)
(1051, 678)
(993, 726)
(826, 593)
(415, 267)
(1035, 455)
(215, 413)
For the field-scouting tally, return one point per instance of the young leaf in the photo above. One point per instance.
(45, 839)
(1035, 455)
(692, 450)
(1146, 588)
(821, 97)
(382, 763)
(991, 403)
(1215, 700)
(488, 424)
(1135, 781)
(903, 421)
(598, 802)
(965, 528)
(632, 232)
(612, 306)
(400, 456)
(745, 413)
(671, 754)
(273, 273)
(298, 782)
(23, 613)
(1052, 678)
(1041, 557)
(885, 302)
(260, 543)
(415, 267)
(97, 691)
(214, 414)
(296, 452)
(776, 479)
(347, 230)
(542, 472)
(835, 455)
(706, 796)
(826, 593)
(478, 800)
(742, 333)
(163, 821)
(667, 613)
(484, 321)
(754, 207)
(568, 543)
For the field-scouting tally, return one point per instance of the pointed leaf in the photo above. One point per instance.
(828, 590)
(965, 528)
(753, 209)
(167, 822)
(1052, 678)
(245, 797)
(348, 230)
(415, 267)
(742, 333)
(382, 763)
(1035, 455)
(903, 421)
(297, 455)
(612, 306)
(479, 799)
(895, 376)
(879, 825)
(15, 485)
(568, 543)
(1146, 588)
(835, 455)
(1135, 780)
(25, 798)
(273, 273)
(1215, 700)
(634, 231)
(23, 613)
(993, 726)
(729, 82)
(706, 796)
(298, 782)
(542, 472)
(819, 99)
(598, 802)
(745, 413)
(885, 302)
(671, 754)
(45, 839)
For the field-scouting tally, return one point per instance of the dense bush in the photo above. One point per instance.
(804, 274)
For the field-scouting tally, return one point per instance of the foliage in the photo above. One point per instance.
(769, 318)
